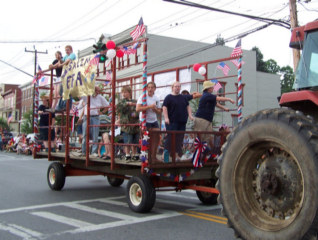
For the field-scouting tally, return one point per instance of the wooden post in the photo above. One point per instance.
(294, 24)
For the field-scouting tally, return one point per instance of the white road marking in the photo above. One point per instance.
(46, 205)
(61, 219)
(163, 215)
(99, 211)
(82, 226)
(20, 231)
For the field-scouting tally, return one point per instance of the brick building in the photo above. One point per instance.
(10, 104)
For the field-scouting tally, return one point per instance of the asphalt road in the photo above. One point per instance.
(89, 208)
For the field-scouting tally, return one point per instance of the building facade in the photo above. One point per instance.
(11, 105)
(260, 90)
(27, 97)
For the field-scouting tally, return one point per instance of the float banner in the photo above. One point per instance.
(78, 78)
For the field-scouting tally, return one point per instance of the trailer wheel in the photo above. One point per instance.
(141, 195)
(56, 176)
(207, 198)
(115, 182)
(268, 177)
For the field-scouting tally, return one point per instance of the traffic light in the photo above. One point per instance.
(100, 47)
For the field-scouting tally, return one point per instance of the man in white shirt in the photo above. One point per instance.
(96, 103)
(152, 109)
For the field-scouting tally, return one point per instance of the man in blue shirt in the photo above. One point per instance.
(205, 113)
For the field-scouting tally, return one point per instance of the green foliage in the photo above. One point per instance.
(4, 124)
(287, 80)
(219, 40)
(26, 126)
(260, 64)
(271, 66)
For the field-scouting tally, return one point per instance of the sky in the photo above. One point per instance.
(49, 26)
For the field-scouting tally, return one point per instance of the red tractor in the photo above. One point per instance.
(268, 171)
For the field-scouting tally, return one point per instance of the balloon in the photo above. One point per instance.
(111, 53)
(196, 67)
(119, 53)
(110, 45)
(202, 71)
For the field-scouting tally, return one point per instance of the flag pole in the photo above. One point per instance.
(239, 89)
(35, 111)
(144, 87)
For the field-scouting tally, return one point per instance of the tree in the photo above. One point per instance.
(219, 40)
(26, 126)
(287, 80)
(260, 64)
(271, 66)
(4, 124)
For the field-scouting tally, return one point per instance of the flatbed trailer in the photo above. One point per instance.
(146, 176)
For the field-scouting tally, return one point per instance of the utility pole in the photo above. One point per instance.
(294, 24)
(35, 56)
(35, 62)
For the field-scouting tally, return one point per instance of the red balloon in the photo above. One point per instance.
(119, 53)
(196, 67)
(110, 44)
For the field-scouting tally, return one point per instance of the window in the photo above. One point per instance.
(234, 119)
(236, 85)
(221, 92)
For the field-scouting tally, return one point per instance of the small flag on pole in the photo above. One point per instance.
(109, 75)
(217, 85)
(225, 68)
(94, 60)
(236, 62)
(237, 51)
(37, 76)
(139, 30)
(10, 117)
(44, 80)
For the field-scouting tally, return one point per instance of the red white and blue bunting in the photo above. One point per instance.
(200, 148)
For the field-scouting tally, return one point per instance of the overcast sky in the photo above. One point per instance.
(80, 22)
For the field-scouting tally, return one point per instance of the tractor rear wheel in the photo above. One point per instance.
(268, 177)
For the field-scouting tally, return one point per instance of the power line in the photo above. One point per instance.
(47, 41)
(191, 4)
(190, 53)
(16, 68)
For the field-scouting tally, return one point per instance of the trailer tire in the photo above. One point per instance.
(141, 195)
(268, 177)
(207, 198)
(115, 182)
(56, 176)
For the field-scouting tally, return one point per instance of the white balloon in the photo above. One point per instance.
(111, 53)
(202, 71)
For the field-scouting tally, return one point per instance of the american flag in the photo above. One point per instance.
(108, 62)
(128, 51)
(225, 68)
(44, 80)
(237, 51)
(109, 75)
(217, 85)
(36, 76)
(94, 60)
(10, 117)
(236, 62)
(139, 30)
